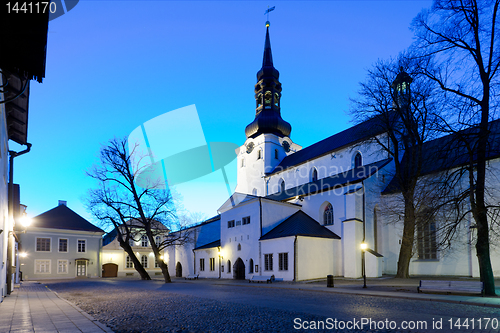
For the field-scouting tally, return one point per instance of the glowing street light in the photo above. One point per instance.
(363, 247)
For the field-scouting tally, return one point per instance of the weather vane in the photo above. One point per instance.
(267, 12)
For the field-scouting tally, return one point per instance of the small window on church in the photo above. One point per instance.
(242, 162)
(282, 185)
(314, 175)
(259, 154)
(328, 215)
(254, 191)
(358, 161)
(276, 153)
(239, 247)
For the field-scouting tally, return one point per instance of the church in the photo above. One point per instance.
(303, 213)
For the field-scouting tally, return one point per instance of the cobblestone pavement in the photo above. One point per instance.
(199, 306)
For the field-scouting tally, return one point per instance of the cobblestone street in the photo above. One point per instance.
(202, 306)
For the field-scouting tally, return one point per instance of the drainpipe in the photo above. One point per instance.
(10, 247)
(194, 262)
(295, 259)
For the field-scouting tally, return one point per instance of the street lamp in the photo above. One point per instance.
(363, 246)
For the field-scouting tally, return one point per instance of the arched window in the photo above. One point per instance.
(259, 154)
(254, 191)
(144, 241)
(358, 161)
(239, 247)
(157, 241)
(314, 175)
(282, 185)
(328, 215)
(250, 263)
(229, 266)
(144, 261)
(276, 153)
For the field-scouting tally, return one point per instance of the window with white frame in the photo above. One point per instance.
(268, 262)
(62, 267)
(129, 263)
(42, 266)
(144, 241)
(42, 244)
(202, 264)
(157, 241)
(82, 246)
(212, 264)
(63, 245)
(157, 265)
(283, 261)
(144, 261)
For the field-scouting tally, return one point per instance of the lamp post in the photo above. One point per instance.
(363, 246)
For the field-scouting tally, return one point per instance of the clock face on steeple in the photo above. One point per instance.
(250, 147)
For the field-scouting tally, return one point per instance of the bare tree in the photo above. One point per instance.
(402, 105)
(133, 210)
(461, 39)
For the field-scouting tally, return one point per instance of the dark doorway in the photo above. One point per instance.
(239, 270)
(178, 270)
(109, 270)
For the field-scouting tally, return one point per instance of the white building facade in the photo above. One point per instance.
(60, 244)
(303, 213)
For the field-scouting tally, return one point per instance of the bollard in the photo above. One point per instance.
(329, 281)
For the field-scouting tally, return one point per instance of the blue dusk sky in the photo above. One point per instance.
(114, 65)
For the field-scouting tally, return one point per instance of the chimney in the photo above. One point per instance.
(62, 203)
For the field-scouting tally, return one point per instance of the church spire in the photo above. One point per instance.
(268, 96)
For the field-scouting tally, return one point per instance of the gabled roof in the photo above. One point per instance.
(61, 217)
(449, 152)
(209, 245)
(354, 134)
(299, 224)
(352, 176)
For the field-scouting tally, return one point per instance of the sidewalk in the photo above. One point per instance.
(378, 287)
(34, 308)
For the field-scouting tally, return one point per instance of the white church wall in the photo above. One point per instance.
(244, 235)
(202, 262)
(273, 213)
(327, 165)
(275, 247)
(316, 257)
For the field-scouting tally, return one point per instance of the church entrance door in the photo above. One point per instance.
(178, 270)
(239, 270)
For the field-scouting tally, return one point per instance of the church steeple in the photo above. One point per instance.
(268, 97)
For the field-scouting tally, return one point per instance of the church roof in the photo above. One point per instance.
(61, 217)
(209, 245)
(299, 224)
(450, 152)
(352, 176)
(350, 136)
